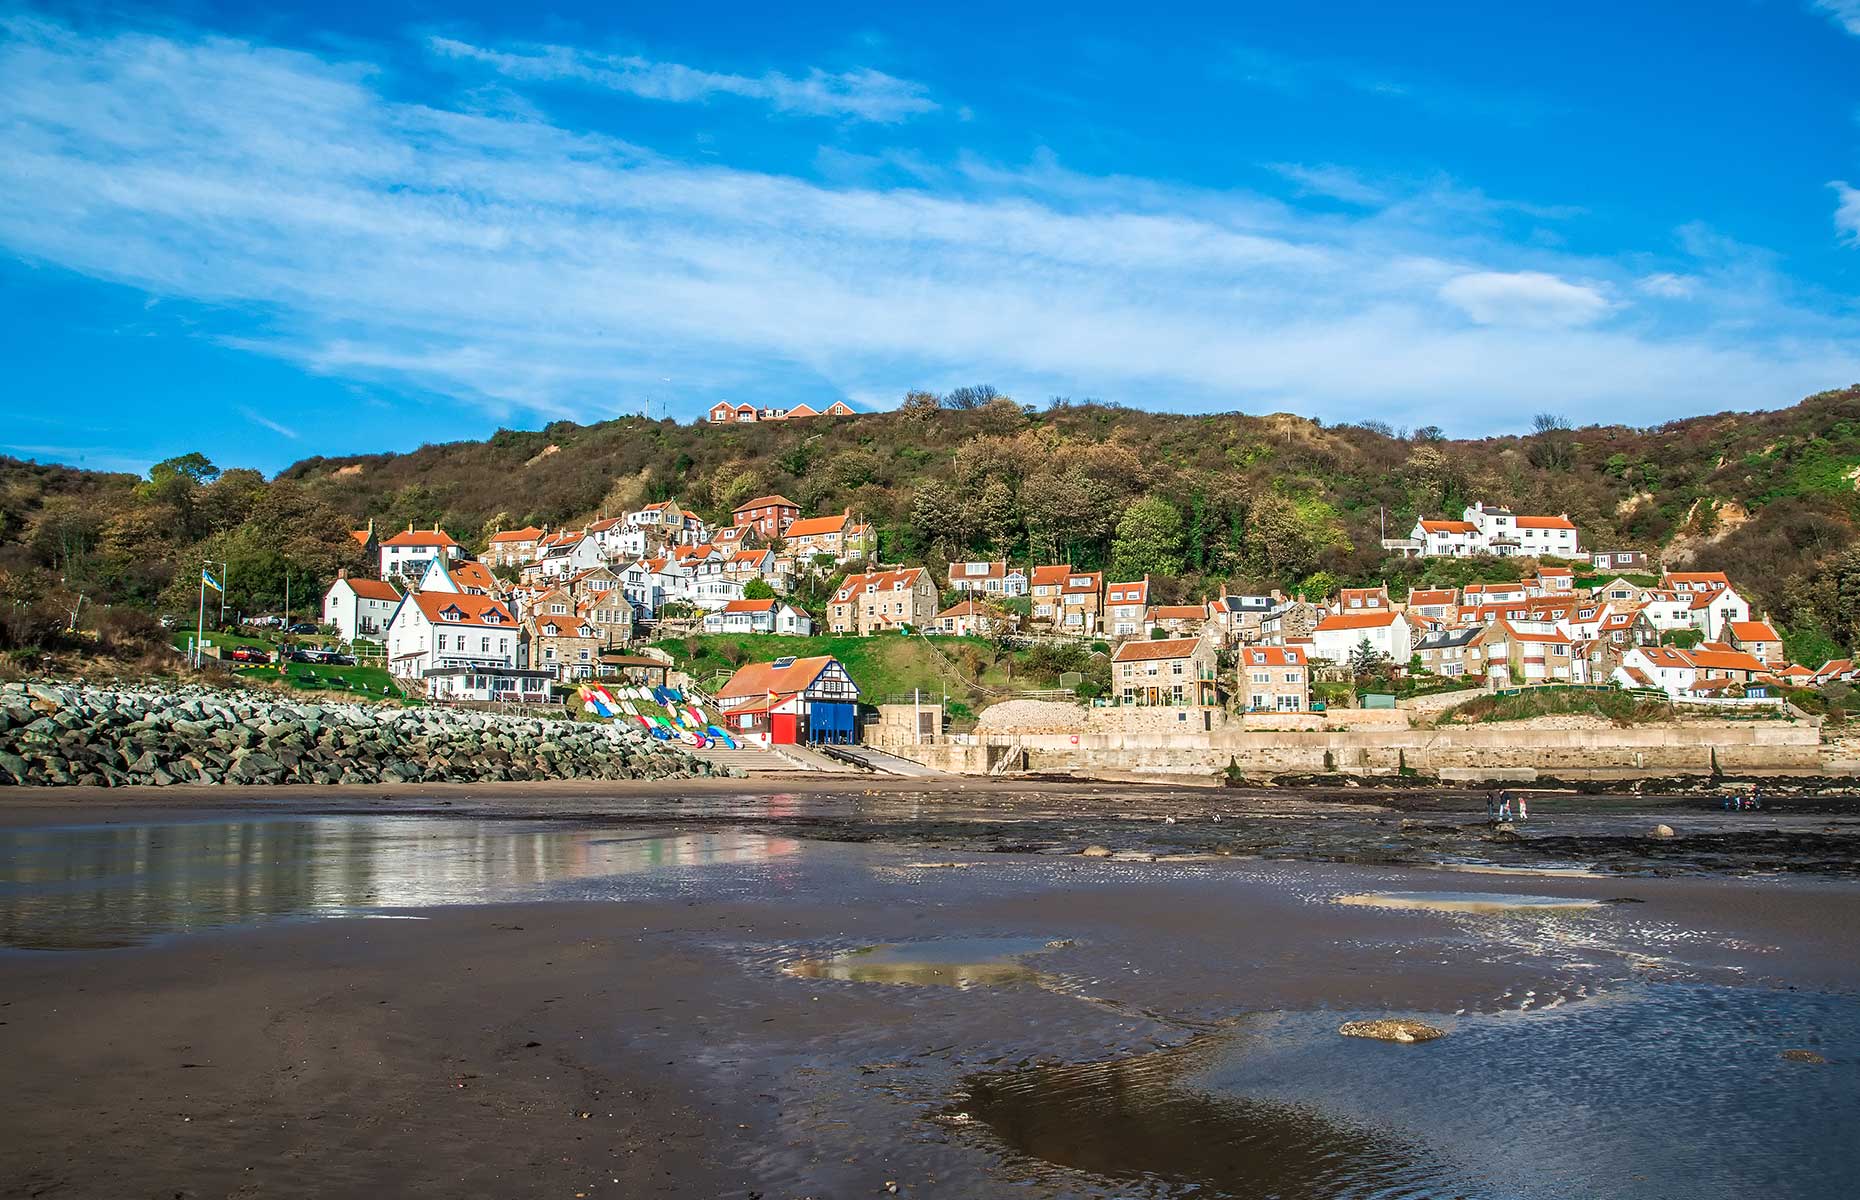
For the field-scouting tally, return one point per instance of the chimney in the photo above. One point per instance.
(342, 573)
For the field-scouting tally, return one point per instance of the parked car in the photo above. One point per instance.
(306, 656)
(303, 627)
(336, 658)
(248, 654)
(266, 622)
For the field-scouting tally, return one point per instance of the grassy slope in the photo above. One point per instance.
(1616, 706)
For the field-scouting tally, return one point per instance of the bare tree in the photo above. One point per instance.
(966, 398)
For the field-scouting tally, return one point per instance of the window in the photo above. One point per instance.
(440, 643)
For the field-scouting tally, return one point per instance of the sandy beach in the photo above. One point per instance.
(577, 1005)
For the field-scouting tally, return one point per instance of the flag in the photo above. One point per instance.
(206, 577)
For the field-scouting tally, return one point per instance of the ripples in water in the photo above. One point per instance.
(1655, 1091)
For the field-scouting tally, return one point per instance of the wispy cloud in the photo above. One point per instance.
(1526, 299)
(264, 422)
(864, 94)
(1328, 179)
(1845, 13)
(1294, 75)
(1846, 211)
(517, 264)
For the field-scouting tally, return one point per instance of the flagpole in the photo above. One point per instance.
(200, 634)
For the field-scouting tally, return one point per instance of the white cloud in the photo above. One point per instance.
(1669, 286)
(1527, 299)
(1327, 179)
(1847, 210)
(864, 93)
(489, 255)
(1845, 13)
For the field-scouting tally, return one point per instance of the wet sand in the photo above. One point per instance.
(654, 1037)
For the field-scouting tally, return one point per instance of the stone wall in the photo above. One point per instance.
(113, 737)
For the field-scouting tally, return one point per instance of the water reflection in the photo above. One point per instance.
(1654, 1091)
(947, 962)
(1470, 902)
(94, 887)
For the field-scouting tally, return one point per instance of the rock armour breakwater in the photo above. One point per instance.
(117, 737)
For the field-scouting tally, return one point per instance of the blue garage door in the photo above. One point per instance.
(830, 721)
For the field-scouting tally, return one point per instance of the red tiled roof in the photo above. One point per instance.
(475, 608)
(1158, 649)
(1753, 631)
(766, 502)
(528, 534)
(1359, 620)
(1272, 656)
(815, 526)
(1051, 576)
(1448, 526)
(766, 679)
(1544, 523)
(750, 606)
(372, 589)
(421, 537)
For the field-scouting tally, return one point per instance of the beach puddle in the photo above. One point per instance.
(1651, 1091)
(945, 962)
(1144, 1121)
(1471, 902)
(99, 887)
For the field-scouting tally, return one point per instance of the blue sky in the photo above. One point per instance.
(337, 229)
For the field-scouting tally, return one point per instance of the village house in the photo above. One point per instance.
(1489, 530)
(1526, 652)
(883, 601)
(1552, 581)
(759, 616)
(769, 516)
(1619, 591)
(1351, 600)
(1275, 679)
(1175, 620)
(1387, 631)
(461, 647)
(1291, 621)
(1714, 612)
(360, 608)
(1477, 594)
(725, 413)
(791, 701)
(1241, 618)
(611, 614)
(565, 555)
(1759, 639)
(829, 536)
(406, 554)
(514, 547)
(1453, 653)
(991, 578)
(364, 538)
(1167, 671)
(745, 565)
(1435, 604)
(1621, 560)
(973, 618)
(1709, 671)
(1125, 607)
(564, 643)
(666, 523)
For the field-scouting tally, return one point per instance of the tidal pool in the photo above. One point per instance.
(88, 887)
(1651, 1091)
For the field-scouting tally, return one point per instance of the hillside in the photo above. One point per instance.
(1246, 501)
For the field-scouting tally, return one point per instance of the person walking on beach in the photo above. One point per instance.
(1504, 806)
(1491, 808)
(1524, 811)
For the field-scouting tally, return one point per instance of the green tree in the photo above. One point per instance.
(175, 483)
(1149, 540)
(1365, 659)
(758, 589)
